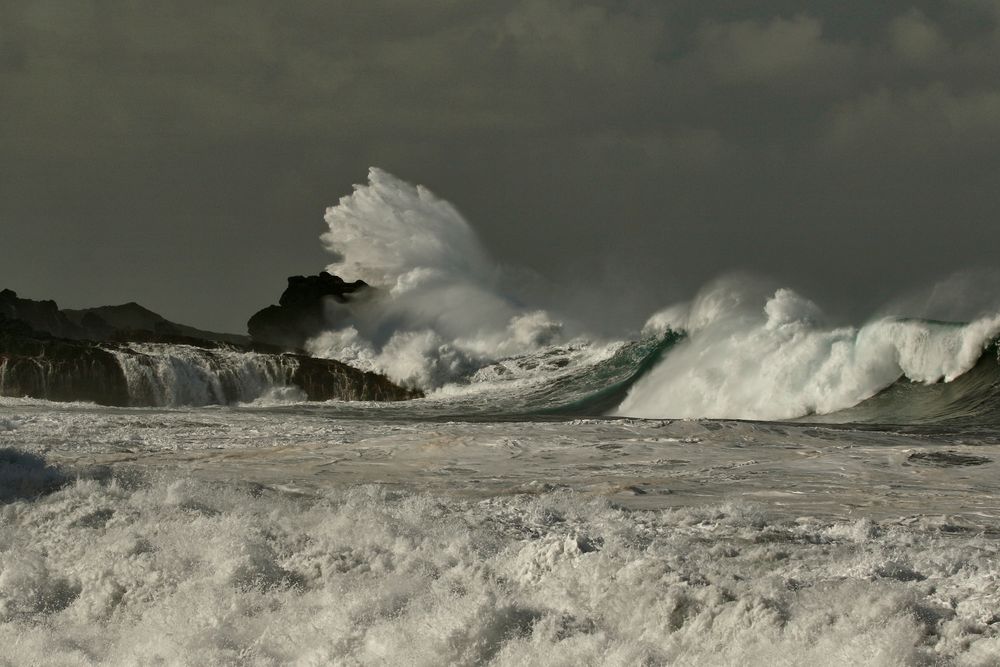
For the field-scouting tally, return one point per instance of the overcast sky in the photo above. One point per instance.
(181, 154)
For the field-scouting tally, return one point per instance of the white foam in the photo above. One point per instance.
(772, 357)
(277, 396)
(178, 571)
(165, 375)
(442, 312)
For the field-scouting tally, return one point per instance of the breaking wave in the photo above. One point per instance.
(972, 398)
(445, 318)
(441, 310)
(775, 358)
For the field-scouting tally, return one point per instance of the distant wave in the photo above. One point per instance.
(774, 358)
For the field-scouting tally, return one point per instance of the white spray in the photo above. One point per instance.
(752, 352)
(440, 314)
(170, 375)
(753, 356)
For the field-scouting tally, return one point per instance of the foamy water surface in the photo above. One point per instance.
(294, 535)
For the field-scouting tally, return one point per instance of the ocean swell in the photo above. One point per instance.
(774, 358)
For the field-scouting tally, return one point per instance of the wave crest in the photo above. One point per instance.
(779, 360)
(441, 313)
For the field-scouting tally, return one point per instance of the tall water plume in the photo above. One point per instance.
(441, 310)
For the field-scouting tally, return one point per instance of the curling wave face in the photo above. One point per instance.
(782, 362)
(973, 398)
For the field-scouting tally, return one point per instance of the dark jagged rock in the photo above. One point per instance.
(14, 327)
(307, 290)
(301, 312)
(97, 326)
(144, 336)
(38, 365)
(106, 322)
(275, 325)
(101, 323)
(39, 315)
(326, 379)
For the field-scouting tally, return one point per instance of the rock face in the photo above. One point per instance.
(102, 323)
(326, 379)
(171, 370)
(39, 315)
(301, 312)
(137, 358)
(40, 366)
(107, 322)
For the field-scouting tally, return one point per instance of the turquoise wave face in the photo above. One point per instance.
(970, 399)
(574, 380)
(603, 386)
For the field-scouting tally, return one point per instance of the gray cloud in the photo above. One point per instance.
(930, 123)
(778, 51)
(181, 154)
(916, 39)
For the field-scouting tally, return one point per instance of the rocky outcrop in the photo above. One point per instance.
(155, 370)
(39, 315)
(107, 322)
(302, 311)
(128, 355)
(101, 323)
(326, 379)
(37, 365)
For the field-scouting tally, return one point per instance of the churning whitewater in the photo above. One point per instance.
(440, 315)
(737, 350)
(744, 481)
(444, 318)
(778, 360)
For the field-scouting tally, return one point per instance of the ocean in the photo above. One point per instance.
(740, 483)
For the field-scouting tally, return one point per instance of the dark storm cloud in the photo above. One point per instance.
(181, 153)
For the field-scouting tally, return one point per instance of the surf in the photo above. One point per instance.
(774, 357)
(441, 309)
(446, 320)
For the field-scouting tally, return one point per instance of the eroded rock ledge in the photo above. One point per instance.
(145, 367)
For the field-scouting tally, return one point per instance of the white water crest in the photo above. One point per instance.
(441, 312)
(750, 355)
